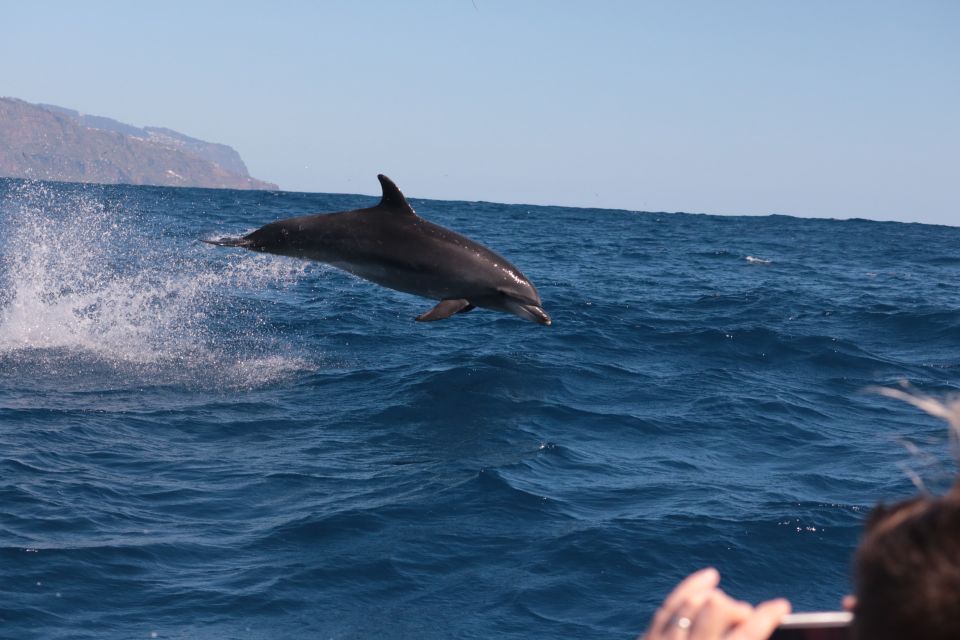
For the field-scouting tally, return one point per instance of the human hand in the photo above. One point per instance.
(697, 610)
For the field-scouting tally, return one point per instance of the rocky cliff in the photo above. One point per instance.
(45, 142)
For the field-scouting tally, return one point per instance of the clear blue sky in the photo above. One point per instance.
(822, 108)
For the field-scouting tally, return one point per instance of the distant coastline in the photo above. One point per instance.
(47, 142)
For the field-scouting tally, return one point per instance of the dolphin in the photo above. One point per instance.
(391, 245)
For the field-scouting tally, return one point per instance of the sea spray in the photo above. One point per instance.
(85, 276)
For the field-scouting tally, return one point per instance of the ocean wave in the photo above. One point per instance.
(209, 443)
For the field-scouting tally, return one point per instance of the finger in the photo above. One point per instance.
(762, 621)
(718, 614)
(849, 603)
(699, 581)
(703, 580)
(678, 626)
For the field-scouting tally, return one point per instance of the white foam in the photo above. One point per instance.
(81, 276)
(755, 260)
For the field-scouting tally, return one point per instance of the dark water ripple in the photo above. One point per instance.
(200, 443)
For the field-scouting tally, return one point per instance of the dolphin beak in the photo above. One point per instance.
(531, 312)
(539, 315)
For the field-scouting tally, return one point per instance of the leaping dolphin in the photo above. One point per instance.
(391, 245)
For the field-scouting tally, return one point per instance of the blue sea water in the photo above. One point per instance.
(198, 442)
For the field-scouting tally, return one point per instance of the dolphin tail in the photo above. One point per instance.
(229, 242)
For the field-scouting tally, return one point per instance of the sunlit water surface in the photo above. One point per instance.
(198, 442)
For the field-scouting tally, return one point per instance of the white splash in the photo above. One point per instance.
(755, 260)
(76, 276)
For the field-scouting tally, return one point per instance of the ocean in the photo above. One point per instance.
(200, 442)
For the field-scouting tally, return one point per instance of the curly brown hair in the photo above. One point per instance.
(907, 571)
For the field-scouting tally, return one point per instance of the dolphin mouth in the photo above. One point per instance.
(531, 312)
(539, 315)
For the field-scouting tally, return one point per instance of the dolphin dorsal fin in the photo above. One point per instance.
(392, 197)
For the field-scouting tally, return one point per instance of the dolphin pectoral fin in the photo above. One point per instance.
(445, 309)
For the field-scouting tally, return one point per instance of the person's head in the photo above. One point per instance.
(907, 571)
